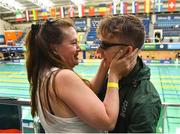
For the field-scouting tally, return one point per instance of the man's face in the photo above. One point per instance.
(110, 47)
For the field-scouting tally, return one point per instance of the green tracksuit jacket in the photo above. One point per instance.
(140, 104)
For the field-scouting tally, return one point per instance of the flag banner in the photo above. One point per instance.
(62, 12)
(123, 7)
(110, 8)
(135, 7)
(27, 15)
(44, 14)
(102, 9)
(116, 1)
(159, 5)
(71, 11)
(147, 6)
(91, 11)
(53, 12)
(19, 16)
(81, 9)
(171, 5)
(114, 8)
(35, 14)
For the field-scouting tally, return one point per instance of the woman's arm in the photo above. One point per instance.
(84, 102)
(97, 81)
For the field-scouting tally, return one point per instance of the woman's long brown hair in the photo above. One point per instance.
(40, 55)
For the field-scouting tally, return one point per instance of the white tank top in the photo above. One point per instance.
(54, 124)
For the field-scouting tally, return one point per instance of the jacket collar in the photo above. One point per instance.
(140, 72)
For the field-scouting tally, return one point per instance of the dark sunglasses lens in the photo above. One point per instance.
(105, 45)
(102, 47)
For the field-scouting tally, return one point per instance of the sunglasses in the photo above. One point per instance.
(105, 45)
(37, 26)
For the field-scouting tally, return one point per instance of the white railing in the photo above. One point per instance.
(26, 102)
(164, 112)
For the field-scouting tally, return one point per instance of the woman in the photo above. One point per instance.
(64, 101)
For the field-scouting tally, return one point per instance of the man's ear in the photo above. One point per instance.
(128, 50)
(131, 48)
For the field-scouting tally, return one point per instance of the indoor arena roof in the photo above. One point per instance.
(30, 4)
(8, 12)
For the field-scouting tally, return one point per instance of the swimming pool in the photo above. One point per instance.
(166, 79)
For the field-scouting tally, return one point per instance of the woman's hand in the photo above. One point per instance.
(121, 66)
(105, 64)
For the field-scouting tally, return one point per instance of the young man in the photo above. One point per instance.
(140, 103)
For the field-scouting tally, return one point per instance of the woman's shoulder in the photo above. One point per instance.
(66, 74)
(60, 71)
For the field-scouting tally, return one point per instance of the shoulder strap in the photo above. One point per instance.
(53, 87)
(47, 93)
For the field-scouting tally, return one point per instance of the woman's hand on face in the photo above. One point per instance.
(105, 64)
(121, 66)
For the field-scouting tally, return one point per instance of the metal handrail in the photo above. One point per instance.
(19, 103)
(164, 114)
(171, 104)
(14, 101)
(26, 102)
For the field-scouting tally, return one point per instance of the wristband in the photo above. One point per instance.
(112, 85)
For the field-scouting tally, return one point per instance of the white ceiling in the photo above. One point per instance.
(29, 5)
(9, 16)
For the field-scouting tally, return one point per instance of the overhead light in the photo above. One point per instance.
(43, 3)
(12, 5)
(78, 2)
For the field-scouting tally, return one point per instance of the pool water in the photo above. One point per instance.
(166, 79)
